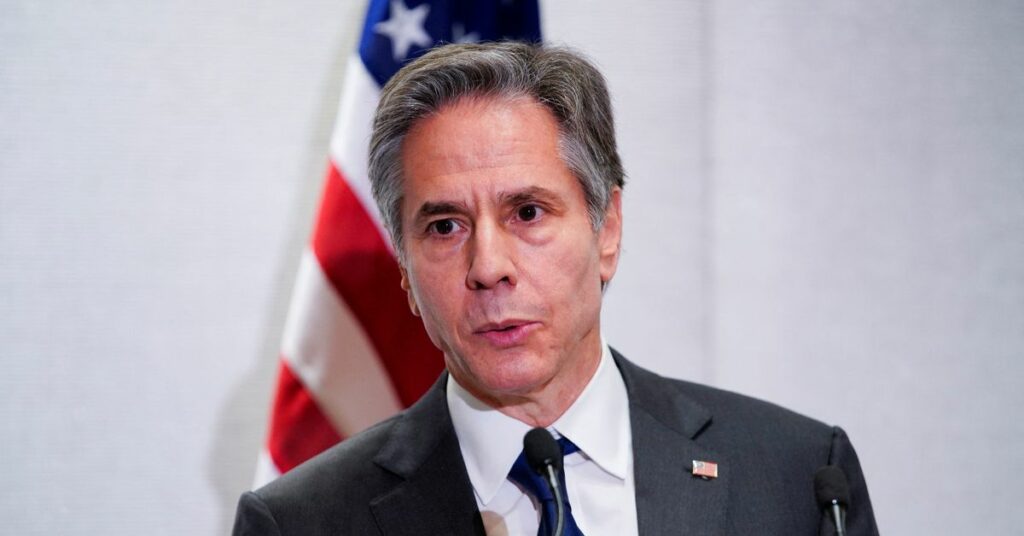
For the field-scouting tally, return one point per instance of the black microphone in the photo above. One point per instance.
(833, 493)
(545, 458)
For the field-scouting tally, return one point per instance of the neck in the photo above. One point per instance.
(544, 404)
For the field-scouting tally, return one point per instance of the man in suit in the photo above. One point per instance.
(496, 171)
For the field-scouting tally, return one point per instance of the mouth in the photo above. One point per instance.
(507, 333)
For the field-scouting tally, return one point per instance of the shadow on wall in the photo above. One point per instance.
(242, 422)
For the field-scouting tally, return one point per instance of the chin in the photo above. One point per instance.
(521, 373)
(519, 384)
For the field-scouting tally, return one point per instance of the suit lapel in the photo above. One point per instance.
(665, 426)
(435, 496)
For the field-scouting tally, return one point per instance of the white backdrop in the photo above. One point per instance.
(825, 209)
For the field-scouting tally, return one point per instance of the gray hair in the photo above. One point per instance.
(561, 80)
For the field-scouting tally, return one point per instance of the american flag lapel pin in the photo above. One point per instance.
(705, 470)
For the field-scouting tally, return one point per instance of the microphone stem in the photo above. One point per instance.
(556, 490)
(838, 517)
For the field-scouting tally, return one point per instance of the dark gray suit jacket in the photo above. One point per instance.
(406, 476)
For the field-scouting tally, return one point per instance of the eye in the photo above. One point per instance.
(443, 227)
(528, 212)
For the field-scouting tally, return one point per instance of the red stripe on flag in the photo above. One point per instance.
(359, 265)
(298, 429)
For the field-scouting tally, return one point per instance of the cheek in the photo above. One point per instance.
(573, 260)
(437, 304)
(569, 274)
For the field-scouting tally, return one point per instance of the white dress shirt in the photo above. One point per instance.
(599, 478)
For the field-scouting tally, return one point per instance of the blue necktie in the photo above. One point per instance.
(535, 485)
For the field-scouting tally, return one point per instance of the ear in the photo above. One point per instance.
(609, 238)
(408, 291)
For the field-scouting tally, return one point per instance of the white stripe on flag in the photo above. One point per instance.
(351, 138)
(327, 349)
(266, 470)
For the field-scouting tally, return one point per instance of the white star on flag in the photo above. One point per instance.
(405, 28)
(459, 34)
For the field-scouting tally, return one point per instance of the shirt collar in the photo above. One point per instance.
(597, 422)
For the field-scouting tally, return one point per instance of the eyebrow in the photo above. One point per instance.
(532, 193)
(517, 197)
(439, 208)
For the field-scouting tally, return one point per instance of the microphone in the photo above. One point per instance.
(545, 458)
(833, 493)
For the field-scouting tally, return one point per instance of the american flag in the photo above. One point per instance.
(704, 469)
(352, 352)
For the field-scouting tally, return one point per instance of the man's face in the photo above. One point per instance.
(501, 259)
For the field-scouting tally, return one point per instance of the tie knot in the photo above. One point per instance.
(533, 484)
(529, 480)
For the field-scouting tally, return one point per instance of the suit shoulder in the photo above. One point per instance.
(756, 420)
(344, 474)
(722, 405)
(729, 401)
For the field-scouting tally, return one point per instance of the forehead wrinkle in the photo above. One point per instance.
(459, 145)
(452, 159)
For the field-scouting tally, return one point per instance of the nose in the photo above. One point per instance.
(491, 258)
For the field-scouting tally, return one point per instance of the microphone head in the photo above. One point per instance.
(541, 450)
(830, 485)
